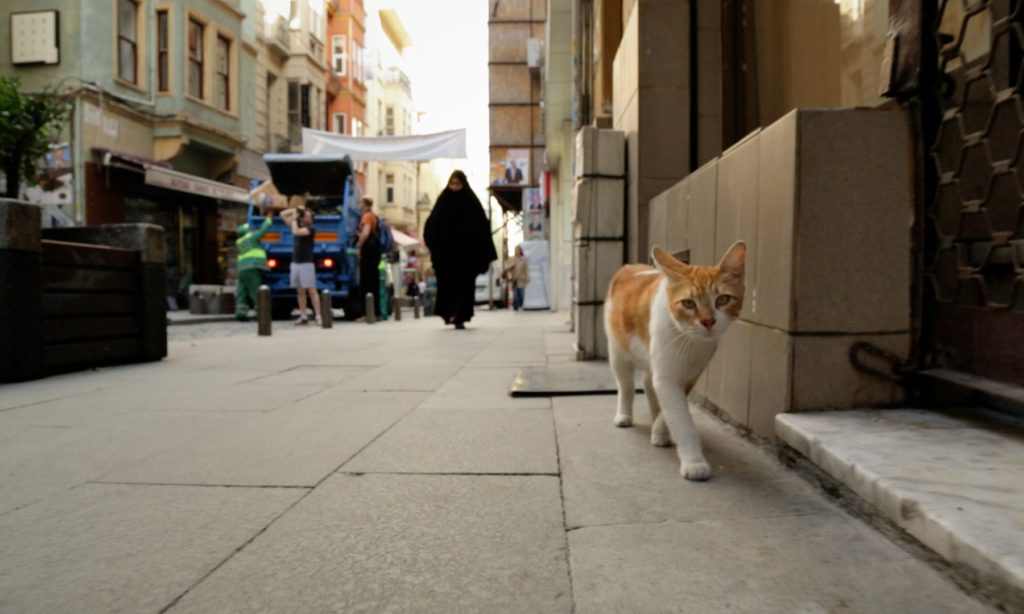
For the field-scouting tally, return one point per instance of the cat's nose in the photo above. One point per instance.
(708, 322)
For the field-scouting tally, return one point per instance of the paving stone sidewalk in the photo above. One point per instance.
(383, 468)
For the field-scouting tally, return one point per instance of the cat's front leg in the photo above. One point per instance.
(625, 374)
(676, 412)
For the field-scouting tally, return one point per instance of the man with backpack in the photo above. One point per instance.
(368, 248)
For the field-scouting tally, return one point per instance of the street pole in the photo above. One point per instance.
(326, 313)
(263, 311)
(370, 314)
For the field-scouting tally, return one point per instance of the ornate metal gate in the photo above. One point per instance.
(973, 227)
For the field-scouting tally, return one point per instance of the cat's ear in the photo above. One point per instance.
(664, 262)
(734, 260)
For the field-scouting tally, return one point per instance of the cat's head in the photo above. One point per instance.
(703, 300)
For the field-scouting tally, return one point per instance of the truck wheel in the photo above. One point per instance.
(352, 307)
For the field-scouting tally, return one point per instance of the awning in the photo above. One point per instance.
(159, 175)
(191, 184)
(450, 144)
(403, 240)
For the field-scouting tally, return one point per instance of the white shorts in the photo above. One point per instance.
(303, 275)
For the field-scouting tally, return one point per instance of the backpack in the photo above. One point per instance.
(384, 236)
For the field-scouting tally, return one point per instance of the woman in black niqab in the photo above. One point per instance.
(458, 236)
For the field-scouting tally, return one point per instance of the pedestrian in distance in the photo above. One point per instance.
(252, 262)
(368, 251)
(458, 236)
(303, 271)
(518, 270)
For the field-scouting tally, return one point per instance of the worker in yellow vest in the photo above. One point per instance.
(252, 261)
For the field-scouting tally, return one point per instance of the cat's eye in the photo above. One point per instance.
(689, 303)
(722, 300)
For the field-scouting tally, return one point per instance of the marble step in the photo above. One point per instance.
(953, 479)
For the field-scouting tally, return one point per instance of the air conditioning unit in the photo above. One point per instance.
(534, 53)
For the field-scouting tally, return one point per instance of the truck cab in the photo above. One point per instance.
(332, 194)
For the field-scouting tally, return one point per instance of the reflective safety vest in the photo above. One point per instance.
(250, 251)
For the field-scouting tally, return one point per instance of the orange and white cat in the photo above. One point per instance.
(666, 320)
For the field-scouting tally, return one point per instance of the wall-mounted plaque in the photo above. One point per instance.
(35, 38)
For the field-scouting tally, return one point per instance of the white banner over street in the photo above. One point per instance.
(450, 144)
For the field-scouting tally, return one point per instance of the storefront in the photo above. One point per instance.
(199, 216)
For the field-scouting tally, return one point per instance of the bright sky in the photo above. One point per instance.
(447, 65)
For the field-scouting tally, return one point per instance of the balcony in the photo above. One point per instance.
(391, 76)
(278, 35)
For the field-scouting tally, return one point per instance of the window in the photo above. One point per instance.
(294, 112)
(127, 40)
(195, 58)
(339, 123)
(357, 127)
(339, 54)
(390, 189)
(357, 62)
(163, 81)
(389, 121)
(223, 82)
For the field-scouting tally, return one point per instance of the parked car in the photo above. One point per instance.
(497, 287)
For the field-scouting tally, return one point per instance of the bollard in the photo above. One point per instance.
(416, 307)
(396, 306)
(263, 311)
(370, 314)
(326, 313)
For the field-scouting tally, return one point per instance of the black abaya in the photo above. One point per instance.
(458, 236)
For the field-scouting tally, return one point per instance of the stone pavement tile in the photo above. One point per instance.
(518, 347)
(47, 389)
(340, 399)
(812, 563)
(282, 448)
(463, 441)
(67, 412)
(406, 373)
(612, 475)
(559, 343)
(110, 548)
(40, 463)
(401, 543)
(326, 374)
(481, 388)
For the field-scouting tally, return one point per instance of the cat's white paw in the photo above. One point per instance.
(623, 421)
(698, 471)
(660, 437)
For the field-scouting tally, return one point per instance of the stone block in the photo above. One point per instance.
(703, 201)
(596, 262)
(599, 207)
(600, 153)
(736, 212)
(729, 380)
(21, 292)
(657, 230)
(770, 364)
(591, 342)
(836, 231)
(664, 34)
(823, 378)
(677, 217)
(20, 226)
(664, 132)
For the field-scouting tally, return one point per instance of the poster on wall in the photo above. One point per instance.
(53, 186)
(537, 257)
(534, 220)
(511, 169)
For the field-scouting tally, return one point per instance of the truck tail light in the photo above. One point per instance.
(327, 263)
(272, 263)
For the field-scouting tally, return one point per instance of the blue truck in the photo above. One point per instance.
(331, 192)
